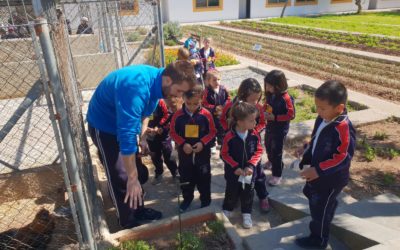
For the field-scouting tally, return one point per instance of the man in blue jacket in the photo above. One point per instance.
(117, 116)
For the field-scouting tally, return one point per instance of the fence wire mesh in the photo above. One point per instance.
(34, 208)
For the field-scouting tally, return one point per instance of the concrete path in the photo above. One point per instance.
(314, 44)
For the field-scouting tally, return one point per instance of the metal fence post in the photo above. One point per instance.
(160, 32)
(42, 29)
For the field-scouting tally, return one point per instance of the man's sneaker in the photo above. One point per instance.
(247, 222)
(275, 181)
(311, 243)
(157, 180)
(264, 205)
(184, 206)
(146, 215)
(267, 165)
(227, 213)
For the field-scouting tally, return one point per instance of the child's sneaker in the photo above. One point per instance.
(184, 206)
(157, 180)
(275, 181)
(311, 242)
(264, 205)
(227, 213)
(247, 222)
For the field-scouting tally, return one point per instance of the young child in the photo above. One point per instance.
(207, 55)
(195, 59)
(241, 153)
(279, 108)
(193, 130)
(214, 99)
(183, 54)
(250, 91)
(159, 141)
(326, 161)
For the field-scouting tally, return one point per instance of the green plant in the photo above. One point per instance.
(134, 245)
(172, 31)
(132, 36)
(233, 93)
(189, 242)
(217, 227)
(389, 179)
(380, 136)
(392, 153)
(369, 153)
(223, 59)
(293, 92)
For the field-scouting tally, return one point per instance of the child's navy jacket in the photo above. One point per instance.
(282, 106)
(211, 99)
(161, 118)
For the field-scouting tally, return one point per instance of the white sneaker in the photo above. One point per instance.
(247, 222)
(227, 213)
(275, 181)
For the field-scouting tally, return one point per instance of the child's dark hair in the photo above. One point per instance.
(276, 79)
(247, 87)
(332, 91)
(195, 91)
(240, 111)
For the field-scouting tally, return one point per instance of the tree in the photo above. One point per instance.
(359, 6)
(284, 8)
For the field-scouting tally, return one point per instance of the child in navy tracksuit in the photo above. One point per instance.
(279, 108)
(250, 91)
(241, 153)
(159, 141)
(193, 130)
(207, 55)
(214, 99)
(326, 161)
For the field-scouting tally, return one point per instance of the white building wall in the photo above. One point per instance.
(258, 9)
(182, 11)
(383, 4)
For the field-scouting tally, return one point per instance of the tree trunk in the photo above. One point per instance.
(359, 6)
(284, 8)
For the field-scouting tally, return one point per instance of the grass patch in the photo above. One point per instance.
(380, 136)
(370, 23)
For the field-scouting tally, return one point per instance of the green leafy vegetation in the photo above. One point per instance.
(134, 245)
(380, 136)
(189, 242)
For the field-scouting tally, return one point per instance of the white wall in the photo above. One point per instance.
(182, 11)
(164, 6)
(258, 8)
(382, 4)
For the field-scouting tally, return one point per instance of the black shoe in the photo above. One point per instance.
(205, 204)
(184, 206)
(146, 215)
(311, 243)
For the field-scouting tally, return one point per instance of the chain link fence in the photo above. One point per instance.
(48, 196)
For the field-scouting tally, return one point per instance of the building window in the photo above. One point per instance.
(129, 7)
(341, 1)
(207, 5)
(306, 2)
(277, 3)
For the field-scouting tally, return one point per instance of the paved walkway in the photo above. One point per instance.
(313, 44)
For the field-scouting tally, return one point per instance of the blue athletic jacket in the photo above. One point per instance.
(333, 152)
(237, 153)
(282, 106)
(122, 99)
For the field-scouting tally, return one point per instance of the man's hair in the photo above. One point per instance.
(195, 91)
(181, 71)
(332, 91)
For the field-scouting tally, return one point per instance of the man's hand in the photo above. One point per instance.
(248, 171)
(187, 148)
(197, 147)
(309, 174)
(239, 172)
(133, 193)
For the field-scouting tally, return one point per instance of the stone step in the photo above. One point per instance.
(383, 209)
(389, 245)
(283, 237)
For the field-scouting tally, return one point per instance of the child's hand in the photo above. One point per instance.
(239, 172)
(187, 148)
(149, 131)
(269, 116)
(197, 147)
(159, 131)
(309, 174)
(248, 171)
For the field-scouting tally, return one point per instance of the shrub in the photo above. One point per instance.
(389, 179)
(223, 59)
(172, 31)
(132, 36)
(189, 242)
(369, 153)
(380, 136)
(216, 227)
(134, 245)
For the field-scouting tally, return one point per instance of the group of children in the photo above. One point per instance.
(209, 116)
